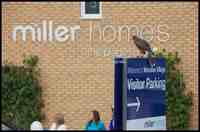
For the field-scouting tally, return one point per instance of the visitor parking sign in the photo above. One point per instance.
(145, 94)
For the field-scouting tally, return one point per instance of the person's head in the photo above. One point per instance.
(59, 119)
(112, 108)
(36, 125)
(95, 116)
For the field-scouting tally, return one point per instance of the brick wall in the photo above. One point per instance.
(74, 78)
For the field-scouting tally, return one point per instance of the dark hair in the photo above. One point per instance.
(96, 117)
(112, 108)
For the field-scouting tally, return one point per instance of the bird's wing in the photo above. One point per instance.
(142, 45)
(145, 45)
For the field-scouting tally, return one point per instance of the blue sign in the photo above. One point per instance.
(145, 94)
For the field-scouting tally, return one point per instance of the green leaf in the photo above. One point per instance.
(21, 94)
(178, 104)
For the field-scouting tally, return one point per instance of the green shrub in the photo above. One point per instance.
(178, 102)
(21, 94)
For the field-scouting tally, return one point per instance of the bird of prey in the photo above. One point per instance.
(144, 47)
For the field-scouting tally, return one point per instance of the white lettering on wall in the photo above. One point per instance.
(47, 31)
(61, 34)
(24, 30)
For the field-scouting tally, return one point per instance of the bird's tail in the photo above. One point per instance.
(151, 59)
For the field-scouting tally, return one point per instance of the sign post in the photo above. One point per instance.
(144, 95)
(118, 90)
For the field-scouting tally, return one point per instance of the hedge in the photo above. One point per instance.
(178, 102)
(21, 94)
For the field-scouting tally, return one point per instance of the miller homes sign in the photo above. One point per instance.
(49, 31)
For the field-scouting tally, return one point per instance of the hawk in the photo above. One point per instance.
(144, 47)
